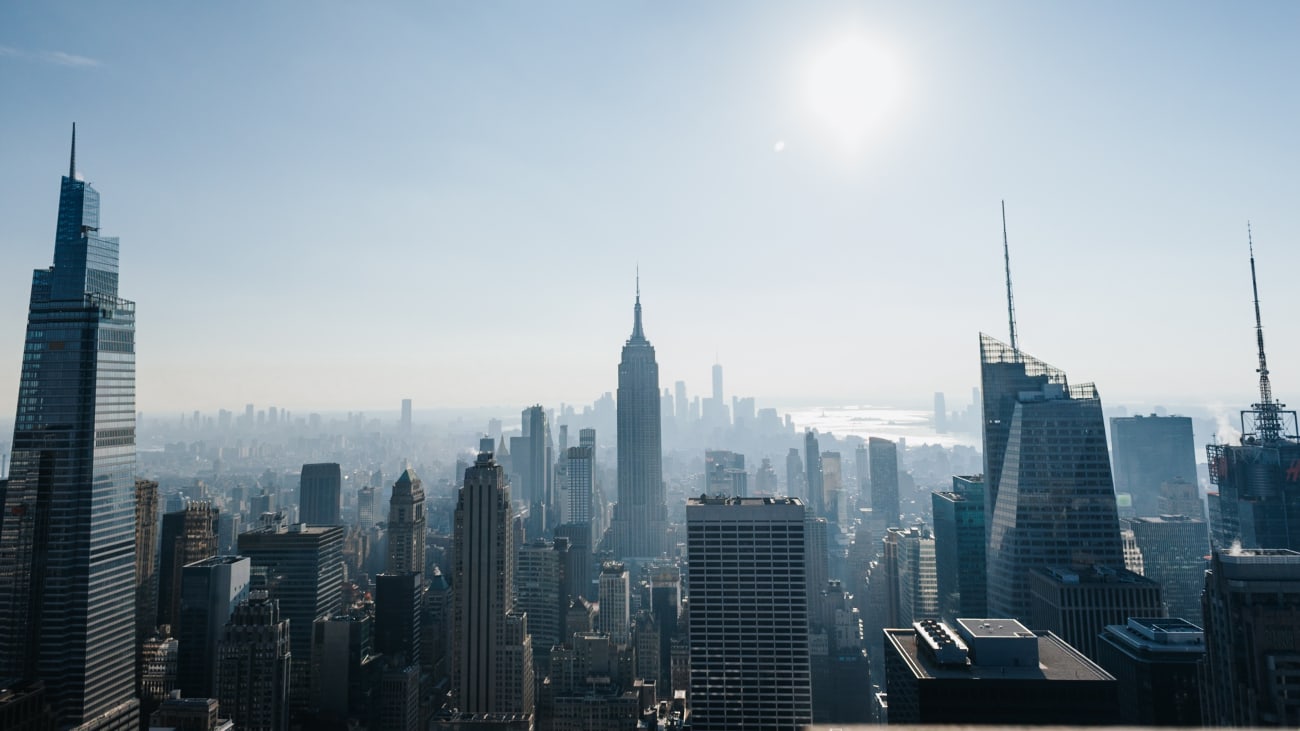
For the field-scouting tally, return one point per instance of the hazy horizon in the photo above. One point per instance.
(343, 206)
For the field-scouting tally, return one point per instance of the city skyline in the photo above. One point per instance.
(1101, 128)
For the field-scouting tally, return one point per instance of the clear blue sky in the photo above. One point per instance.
(337, 205)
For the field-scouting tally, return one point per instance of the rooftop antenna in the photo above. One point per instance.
(637, 333)
(72, 163)
(1011, 301)
(1268, 417)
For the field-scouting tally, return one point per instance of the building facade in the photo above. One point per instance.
(319, 489)
(959, 555)
(406, 525)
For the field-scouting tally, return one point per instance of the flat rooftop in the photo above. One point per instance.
(1056, 661)
(751, 501)
(995, 628)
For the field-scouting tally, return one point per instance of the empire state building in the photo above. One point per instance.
(640, 520)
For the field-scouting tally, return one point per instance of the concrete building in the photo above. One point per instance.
(748, 670)
(1077, 604)
(1155, 662)
(406, 525)
(615, 599)
(320, 488)
(253, 666)
(993, 671)
(1149, 451)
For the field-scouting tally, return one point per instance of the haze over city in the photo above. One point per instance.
(334, 207)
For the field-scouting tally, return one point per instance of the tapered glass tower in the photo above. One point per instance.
(641, 515)
(67, 546)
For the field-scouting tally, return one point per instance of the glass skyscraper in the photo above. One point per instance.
(67, 545)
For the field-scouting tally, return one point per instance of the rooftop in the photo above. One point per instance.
(1057, 661)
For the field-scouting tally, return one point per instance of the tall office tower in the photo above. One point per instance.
(188, 535)
(940, 413)
(885, 508)
(302, 568)
(345, 668)
(959, 557)
(210, 591)
(681, 406)
(1250, 604)
(489, 638)
(1078, 604)
(794, 474)
(319, 490)
(717, 382)
(1258, 481)
(748, 670)
(918, 586)
(534, 470)
(67, 576)
(640, 521)
(1155, 662)
(833, 487)
(577, 559)
(1149, 451)
(366, 517)
(666, 606)
(580, 473)
(994, 672)
(406, 525)
(146, 569)
(615, 598)
(813, 474)
(1055, 504)
(724, 473)
(541, 593)
(253, 661)
(816, 557)
(228, 530)
(765, 478)
(1173, 549)
(862, 465)
(406, 416)
(399, 608)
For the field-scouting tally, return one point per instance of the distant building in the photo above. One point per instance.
(724, 473)
(765, 479)
(319, 490)
(885, 509)
(541, 593)
(640, 521)
(1148, 452)
(1252, 637)
(253, 666)
(795, 480)
(1174, 551)
(813, 475)
(188, 535)
(993, 671)
(1155, 662)
(1077, 604)
(302, 568)
(918, 585)
(406, 416)
(406, 525)
(748, 670)
(615, 618)
(959, 549)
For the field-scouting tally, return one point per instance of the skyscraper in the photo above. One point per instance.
(1173, 549)
(1055, 503)
(146, 569)
(862, 467)
(492, 665)
(302, 568)
(319, 489)
(253, 659)
(67, 565)
(1251, 601)
(794, 476)
(885, 508)
(1150, 451)
(614, 593)
(640, 521)
(1258, 500)
(813, 466)
(1078, 605)
(210, 591)
(580, 475)
(188, 535)
(406, 525)
(751, 669)
(724, 473)
(406, 416)
(533, 465)
(959, 549)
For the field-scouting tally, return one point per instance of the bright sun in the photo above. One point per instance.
(852, 86)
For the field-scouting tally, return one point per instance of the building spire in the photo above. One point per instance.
(1268, 416)
(1011, 301)
(72, 161)
(637, 333)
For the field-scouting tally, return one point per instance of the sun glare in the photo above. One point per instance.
(852, 86)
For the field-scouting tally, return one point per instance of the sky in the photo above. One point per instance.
(332, 206)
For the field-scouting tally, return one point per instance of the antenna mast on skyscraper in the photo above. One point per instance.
(1268, 413)
(1011, 302)
(72, 162)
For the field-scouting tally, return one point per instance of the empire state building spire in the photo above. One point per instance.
(638, 335)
